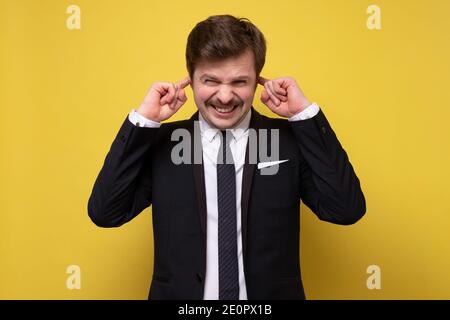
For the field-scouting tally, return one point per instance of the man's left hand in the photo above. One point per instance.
(283, 96)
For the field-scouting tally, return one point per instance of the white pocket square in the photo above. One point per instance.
(262, 165)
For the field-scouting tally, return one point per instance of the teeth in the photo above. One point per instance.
(224, 110)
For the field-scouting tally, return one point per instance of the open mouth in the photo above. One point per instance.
(225, 110)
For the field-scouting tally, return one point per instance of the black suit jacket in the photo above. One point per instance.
(138, 172)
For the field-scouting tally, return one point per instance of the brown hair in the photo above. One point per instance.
(224, 36)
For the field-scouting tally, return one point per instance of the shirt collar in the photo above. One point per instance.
(238, 131)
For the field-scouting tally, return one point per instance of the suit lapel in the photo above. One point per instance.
(247, 177)
(199, 173)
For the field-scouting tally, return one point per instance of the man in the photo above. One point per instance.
(224, 229)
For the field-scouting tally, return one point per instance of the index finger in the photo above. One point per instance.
(183, 83)
(262, 81)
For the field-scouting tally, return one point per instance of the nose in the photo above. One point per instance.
(225, 94)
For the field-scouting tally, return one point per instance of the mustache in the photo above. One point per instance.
(229, 104)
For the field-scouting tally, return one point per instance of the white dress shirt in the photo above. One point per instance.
(211, 145)
(210, 148)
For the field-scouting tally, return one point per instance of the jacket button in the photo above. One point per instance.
(324, 130)
(199, 277)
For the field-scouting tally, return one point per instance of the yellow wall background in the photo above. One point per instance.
(64, 94)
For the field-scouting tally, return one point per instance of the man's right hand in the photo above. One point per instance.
(163, 100)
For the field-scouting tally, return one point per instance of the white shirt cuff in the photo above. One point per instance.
(307, 113)
(141, 121)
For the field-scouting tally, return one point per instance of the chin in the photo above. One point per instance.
(225, 119)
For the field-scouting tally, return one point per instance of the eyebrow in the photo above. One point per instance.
(243, 77)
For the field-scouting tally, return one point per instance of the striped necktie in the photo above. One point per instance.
(227, 233)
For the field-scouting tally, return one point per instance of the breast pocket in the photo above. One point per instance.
(280, 187)
(275, 168)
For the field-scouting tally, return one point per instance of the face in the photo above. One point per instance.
(224, 90)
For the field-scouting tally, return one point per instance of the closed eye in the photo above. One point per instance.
(237, 81)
